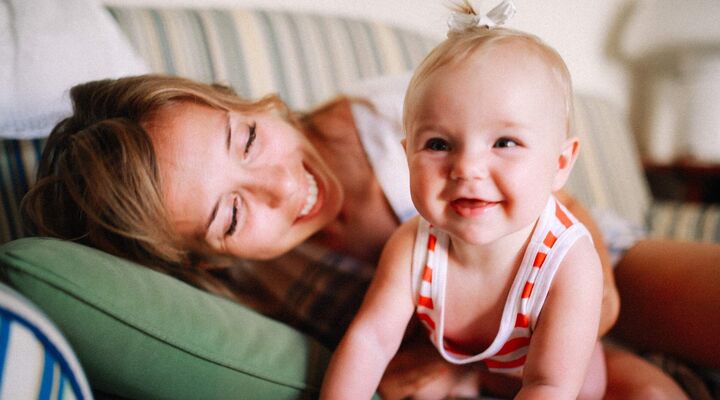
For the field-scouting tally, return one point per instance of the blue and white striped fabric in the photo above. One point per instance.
(18, 165)
(35, 360)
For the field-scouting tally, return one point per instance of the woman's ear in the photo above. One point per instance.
(566, 160)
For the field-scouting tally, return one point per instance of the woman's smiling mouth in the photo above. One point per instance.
(312, 195)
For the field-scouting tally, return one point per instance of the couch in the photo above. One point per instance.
(141, 334)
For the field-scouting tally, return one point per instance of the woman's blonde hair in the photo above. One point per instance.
(98, 181)
(467, 42)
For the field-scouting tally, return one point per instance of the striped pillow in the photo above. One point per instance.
(35, 360)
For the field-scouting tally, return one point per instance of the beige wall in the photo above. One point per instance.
(578, 29)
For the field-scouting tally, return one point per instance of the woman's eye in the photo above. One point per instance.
(251, 137)
(505, 142)
(437, 144)
(233, 219)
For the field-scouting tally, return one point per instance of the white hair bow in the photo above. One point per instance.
(460, 21)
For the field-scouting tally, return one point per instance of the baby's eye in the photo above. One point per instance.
(505, 143)
(437, 144)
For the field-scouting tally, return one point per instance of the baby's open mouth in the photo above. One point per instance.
(471, 207)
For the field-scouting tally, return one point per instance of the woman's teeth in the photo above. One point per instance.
(312, 194)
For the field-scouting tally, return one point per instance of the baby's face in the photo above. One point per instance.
(485, 142)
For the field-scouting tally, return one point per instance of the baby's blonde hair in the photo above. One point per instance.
(468, 42)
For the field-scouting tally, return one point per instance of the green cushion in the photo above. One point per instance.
(141, 334)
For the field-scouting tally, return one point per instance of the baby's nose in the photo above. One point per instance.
(469, 165)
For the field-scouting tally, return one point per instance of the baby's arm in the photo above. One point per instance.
(377, 330)
(611, 297)
(566, 332)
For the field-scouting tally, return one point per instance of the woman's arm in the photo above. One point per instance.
(566, 333)
(611, 298)
(375, 334)
(670, 291)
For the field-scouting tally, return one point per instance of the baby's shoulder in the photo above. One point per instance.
(401, 242)
(407, 233)
(581, 259)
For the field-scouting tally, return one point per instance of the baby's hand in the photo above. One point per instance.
(418, 371)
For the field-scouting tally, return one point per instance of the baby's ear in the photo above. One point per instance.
(566, 160)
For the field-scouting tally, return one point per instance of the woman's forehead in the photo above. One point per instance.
(188, 140)
(178, 114)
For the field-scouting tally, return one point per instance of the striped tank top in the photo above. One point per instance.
(555, 233)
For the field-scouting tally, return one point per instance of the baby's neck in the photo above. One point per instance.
(504, 251)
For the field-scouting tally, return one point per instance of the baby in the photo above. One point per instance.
(497, 270)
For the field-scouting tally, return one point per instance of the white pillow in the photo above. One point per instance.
(48, 46)
(380, 131)
(386, 92)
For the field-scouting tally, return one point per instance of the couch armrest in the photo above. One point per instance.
(684, 221)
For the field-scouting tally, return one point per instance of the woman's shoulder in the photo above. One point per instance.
(332, 120)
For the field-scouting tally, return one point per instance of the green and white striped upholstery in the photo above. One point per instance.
(684, 221)
(307, 58)
(304, 58)
(608, 174)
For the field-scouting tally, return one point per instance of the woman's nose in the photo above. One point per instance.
(469, 165)
(273, 184)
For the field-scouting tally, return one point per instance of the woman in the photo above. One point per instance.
(178, 175)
